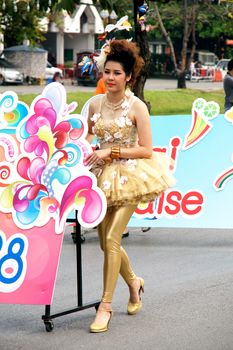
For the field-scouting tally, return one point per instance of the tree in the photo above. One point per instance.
(20, 20)
(188, 14)
(141, 39)
(190, 20)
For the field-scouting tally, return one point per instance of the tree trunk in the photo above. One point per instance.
(181, 82)
(141, 39)
(166, 35)
(142, 42)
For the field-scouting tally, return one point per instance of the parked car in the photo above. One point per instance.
(222, 66)
(51, 70)
(9, 74)
(86, 71)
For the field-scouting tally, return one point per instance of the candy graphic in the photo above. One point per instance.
(10, 147)
(48, 175)
(81, 192)
(202, 112)
(8, 101)
(227, 174)
(198, 130)
(229, 115)
(14, 117)
(11, 111)
(5, 172)
(223, 178)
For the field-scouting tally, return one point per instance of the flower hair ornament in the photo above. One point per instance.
(100, 60)
(105, 50)
(122, 24)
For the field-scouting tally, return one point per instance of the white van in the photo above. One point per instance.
(206, 58)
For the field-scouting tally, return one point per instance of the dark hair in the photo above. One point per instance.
(230, 65)
(56, 75)
(127, 54)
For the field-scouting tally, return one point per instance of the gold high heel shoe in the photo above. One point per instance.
(134, 308)
(101, 327)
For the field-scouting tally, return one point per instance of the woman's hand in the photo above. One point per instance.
(97, 157)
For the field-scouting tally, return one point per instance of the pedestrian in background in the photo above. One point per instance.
(57, 77)
(228, 86)
(100, 87)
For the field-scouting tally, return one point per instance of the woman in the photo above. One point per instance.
(125, 168)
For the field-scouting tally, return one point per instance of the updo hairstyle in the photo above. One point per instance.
(127, 54)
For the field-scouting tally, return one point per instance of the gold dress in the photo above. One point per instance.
(127, 181)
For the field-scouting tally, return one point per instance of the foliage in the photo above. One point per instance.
(20, 21)
(215, 20)
(212, 20)
(185, 24)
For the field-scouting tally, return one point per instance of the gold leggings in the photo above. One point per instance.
(116, 260)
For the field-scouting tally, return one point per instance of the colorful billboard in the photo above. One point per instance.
(201, 146)
(42, 179)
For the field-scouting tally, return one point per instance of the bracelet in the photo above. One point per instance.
(115, 152)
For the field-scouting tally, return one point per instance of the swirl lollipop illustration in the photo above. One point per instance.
(202, 113)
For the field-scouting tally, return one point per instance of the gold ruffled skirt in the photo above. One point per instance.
(134, 181)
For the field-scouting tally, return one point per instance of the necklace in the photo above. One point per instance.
(114, 106)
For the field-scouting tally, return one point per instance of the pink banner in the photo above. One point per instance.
(28, 262)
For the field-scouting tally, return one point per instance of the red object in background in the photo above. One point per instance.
(218, 75)
(61, 66)
(102, 36)
(203, 72)
(68, 72)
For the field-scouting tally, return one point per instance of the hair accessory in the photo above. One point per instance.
(115, 152)
(100, 60)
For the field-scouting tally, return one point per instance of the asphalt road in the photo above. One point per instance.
(151, 84)
(187, 304)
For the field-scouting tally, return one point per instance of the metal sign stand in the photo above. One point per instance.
(47, 317)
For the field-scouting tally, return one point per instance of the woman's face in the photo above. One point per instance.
(114, 76)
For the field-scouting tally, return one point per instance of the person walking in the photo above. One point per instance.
(100, 87)
(127, 169)
(228, 86)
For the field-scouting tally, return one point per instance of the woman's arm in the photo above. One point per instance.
(97, 155)
(90, 134)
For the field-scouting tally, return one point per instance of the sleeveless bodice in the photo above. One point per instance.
(126, 181)
(112, 126)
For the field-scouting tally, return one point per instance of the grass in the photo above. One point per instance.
(180, 101)
(169, 102)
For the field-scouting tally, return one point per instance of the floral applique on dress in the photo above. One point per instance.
(127, 181)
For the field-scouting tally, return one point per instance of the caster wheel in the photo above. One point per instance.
(82, 238)
(49, 325)
(96, 307)
(74, 238)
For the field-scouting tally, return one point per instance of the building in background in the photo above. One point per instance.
(71, 34)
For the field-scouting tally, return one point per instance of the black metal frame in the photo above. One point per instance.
(47, 317)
